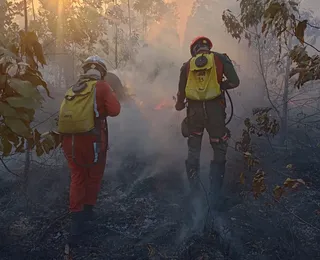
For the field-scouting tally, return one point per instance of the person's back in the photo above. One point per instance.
(84, 130)
(202, 85)
(115, 83)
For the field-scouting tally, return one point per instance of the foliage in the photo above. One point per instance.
(263, 125)
(8, 27)
(151, 9)
(71, 21)
(19, 96)
(279, 18)
(289, 183)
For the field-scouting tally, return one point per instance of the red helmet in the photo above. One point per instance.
(200, 39)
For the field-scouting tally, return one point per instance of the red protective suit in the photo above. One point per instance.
(86, 181)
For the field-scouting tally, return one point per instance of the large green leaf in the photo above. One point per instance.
(17, 126)
(24, 102)
(3, 79)
(35, 79)
(37, 136)
(24, 88)
(6, 146)
(13, 138)
(22, 113)
(6, 110)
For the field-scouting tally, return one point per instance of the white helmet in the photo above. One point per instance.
(95, 63)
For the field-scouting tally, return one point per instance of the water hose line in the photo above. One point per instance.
(231, 104)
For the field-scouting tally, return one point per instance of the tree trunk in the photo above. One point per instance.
(27, 145)
(129, 17)
(285, 95)
(144, 25)
(116, 48)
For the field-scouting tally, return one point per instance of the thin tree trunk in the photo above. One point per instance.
(26, 170)
(284, 118)
(116, 48)
(144, 24)
(26, 15)
(33, 10)
(27, 147)
(129, 16)
(264, 75)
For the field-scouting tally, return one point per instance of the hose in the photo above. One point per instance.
(231, 103)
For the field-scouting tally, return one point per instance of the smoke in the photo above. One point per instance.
(149, 126)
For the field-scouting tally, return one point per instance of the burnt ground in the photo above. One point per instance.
(146, 218)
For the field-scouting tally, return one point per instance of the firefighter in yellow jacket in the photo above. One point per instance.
(201, 85)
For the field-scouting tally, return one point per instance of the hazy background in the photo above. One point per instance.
(148, 124)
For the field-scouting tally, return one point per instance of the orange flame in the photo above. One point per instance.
(163, 104)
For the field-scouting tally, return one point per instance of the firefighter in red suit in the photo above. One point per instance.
(82, 149)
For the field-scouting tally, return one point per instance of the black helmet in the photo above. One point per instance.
(95, 62)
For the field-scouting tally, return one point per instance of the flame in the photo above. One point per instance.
(163, 104)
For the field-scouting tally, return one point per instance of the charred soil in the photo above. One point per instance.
(146, 218)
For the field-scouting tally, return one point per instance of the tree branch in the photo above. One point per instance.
(306, 43)
(311, 25)
(264, 78)
(6, 167)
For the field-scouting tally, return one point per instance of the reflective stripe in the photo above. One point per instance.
(224, 138)
(95, 104)
(197, 133)
(96, 152)
(215, 140)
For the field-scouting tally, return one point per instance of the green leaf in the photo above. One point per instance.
(37, 136)
(17, 126)
(23, 102)
(6, 146)
(24, 88)
(13, 138)
(38, 51)
(39, 150)
(35, 79)
(5, 52)
(300, 29)
(3, 79)
(20, 147)
(29, 114)
(6, 110)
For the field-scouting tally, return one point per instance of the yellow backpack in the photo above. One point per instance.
(78, 112)
(202, 83)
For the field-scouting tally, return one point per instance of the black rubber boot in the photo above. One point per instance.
(89, 214)
(76, 228)
(193, 176)
(217, 172)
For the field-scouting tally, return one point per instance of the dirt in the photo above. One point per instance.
(146, 216)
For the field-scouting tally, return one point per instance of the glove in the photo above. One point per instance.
(180, 106)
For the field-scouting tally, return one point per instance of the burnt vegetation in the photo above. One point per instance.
(273, 168)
